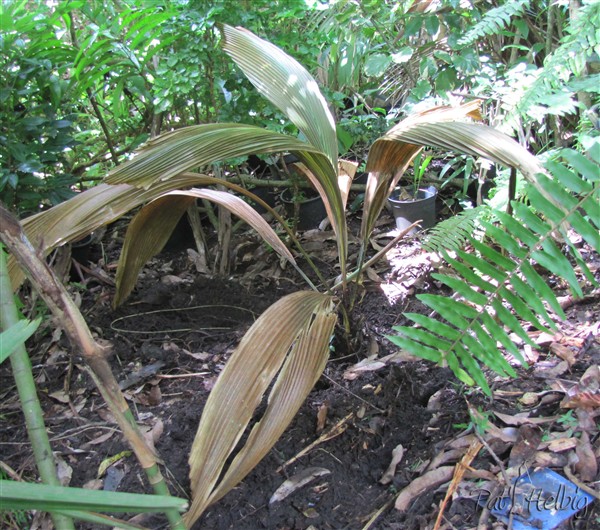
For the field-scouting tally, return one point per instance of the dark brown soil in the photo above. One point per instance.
(183, 334)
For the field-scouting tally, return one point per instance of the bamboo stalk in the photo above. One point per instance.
(30, 404)
(64, 309)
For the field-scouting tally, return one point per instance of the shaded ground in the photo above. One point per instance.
(173, 337)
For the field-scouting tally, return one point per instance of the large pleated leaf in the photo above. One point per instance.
(391, 154)
(441, 127)
(90, 210)
(185, 149)
(470, 138)
(289, 341)
(151, 228)
(495, 292)
(191, 147)
(287, 84)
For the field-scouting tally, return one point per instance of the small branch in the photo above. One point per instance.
(67, 313)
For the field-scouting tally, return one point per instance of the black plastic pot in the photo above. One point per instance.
(407, 211)
(311, 210)
(266, 194)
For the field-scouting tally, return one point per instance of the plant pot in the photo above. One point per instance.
(406, 212)
(311, 209)
(265, 193)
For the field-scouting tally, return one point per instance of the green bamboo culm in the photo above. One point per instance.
(30, 404)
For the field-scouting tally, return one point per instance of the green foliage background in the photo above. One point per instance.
(84, 83)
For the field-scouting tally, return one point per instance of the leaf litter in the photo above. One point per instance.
(405, 459)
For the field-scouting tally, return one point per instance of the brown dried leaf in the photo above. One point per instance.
(397, 455)
(429, 480)
(582, 399)
(545, 459)
(370, 364)
(525, 447)
(297, 481)
(99, 439)
(560, 445)
(587, 465)
(523, 418)
(566, 354)
(590, 380)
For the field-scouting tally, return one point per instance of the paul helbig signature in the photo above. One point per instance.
(531, 498)
(537, 499)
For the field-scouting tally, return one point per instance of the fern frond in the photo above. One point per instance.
(494, 21)
(497, 292)
(564, 73)
(452, 233)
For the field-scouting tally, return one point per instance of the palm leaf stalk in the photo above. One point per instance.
(30, 404)
(64, 309)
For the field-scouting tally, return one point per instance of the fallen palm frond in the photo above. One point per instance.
(498, 284)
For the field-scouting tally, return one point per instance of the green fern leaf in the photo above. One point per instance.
(453, 233)
(502, 289)
(494, 21)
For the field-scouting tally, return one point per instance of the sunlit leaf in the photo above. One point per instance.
(390, 155)
(440, 127)
(295, 350)
(172, 153)
(287, 84)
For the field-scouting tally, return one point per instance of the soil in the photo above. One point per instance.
(172, 338)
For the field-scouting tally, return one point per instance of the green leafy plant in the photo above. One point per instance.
(453, 233)
(498, 282)
(287, 361)
(420, 165)
(494, 20)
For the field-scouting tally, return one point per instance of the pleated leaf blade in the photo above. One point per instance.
(151, 228)
(286, 84)
(289, 340)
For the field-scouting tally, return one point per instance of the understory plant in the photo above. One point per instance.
(286, 360)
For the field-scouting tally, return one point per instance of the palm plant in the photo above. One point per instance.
(290, 359)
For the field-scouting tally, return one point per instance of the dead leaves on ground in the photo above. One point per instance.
(562, 441)
(555, 426)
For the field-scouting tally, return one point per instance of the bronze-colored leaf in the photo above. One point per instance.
(88, 211)
(286, 84)
(151, 228)
(296, 349)
(440, 127)
(172, 153)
